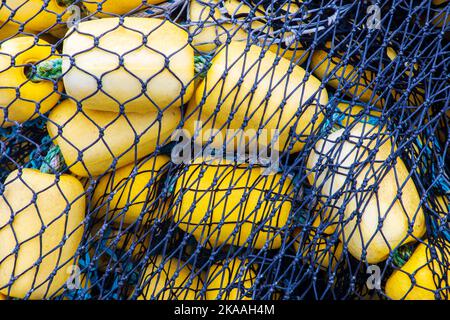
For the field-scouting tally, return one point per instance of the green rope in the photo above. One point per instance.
(201, 64)
(402, 255)
(53, 161)
(47, 70)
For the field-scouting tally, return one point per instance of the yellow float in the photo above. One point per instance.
(327, 66)
(34, 15)
(441, 18)
(117, 240)
(237, 209)
(8, 31)
(39, 244)
(176, 281)
(207, 34)
(211, 27)
(22, 99)
(294, 102)
(142, 65)
(129, 187)
(429, 276)
(383, 221)
(92, 141)
(231, 280)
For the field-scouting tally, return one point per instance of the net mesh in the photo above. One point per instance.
(224, 149)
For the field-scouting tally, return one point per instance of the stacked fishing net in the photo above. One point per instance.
(236, 149)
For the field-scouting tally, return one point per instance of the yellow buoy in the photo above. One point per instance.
(227, 203)
(39, 244)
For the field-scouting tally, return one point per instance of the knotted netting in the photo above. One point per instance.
(224, 149)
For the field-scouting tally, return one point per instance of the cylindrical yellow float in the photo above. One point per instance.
(141, 65)
(231, 280)
(132, 191)
(39, 244)
(430, 275)
(380, 202)
(229, 203)
(259, 92)
(93, 141)
(175, 281)
(103, 8)
(22, 99)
